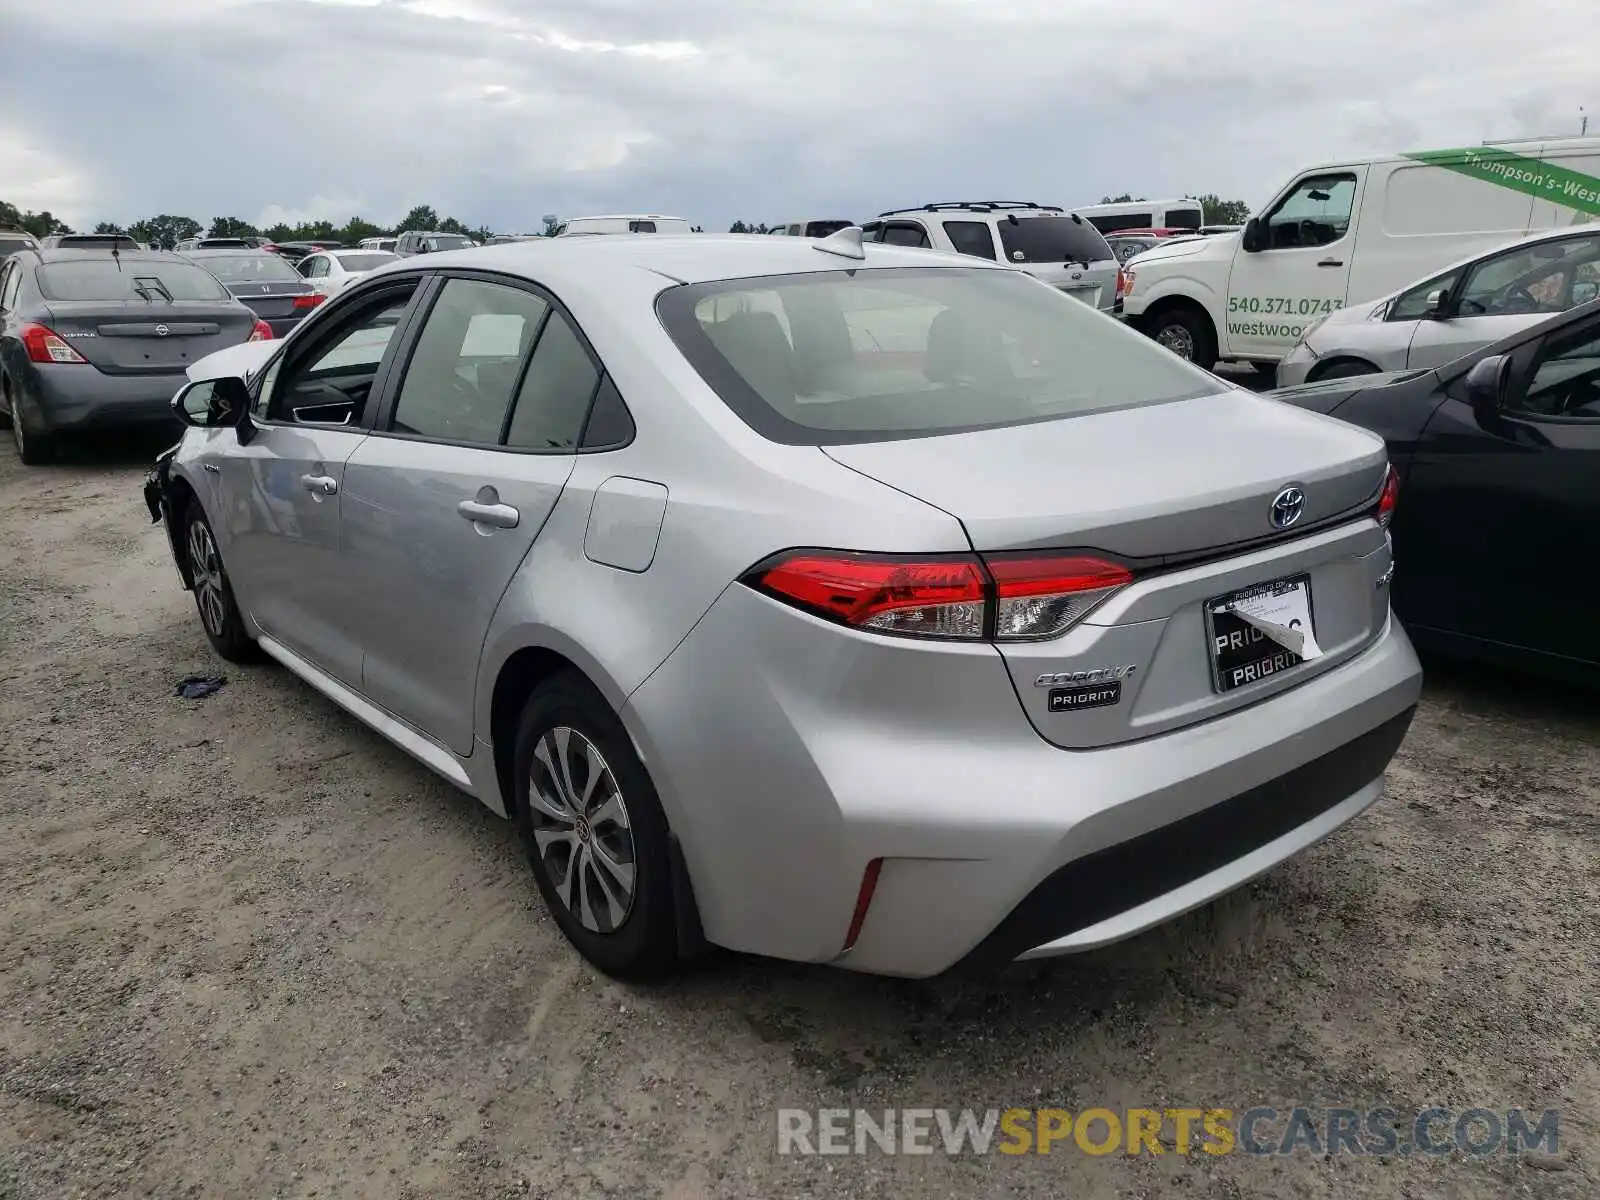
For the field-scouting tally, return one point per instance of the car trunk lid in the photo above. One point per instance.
(148, 338)
(1154, 483)
(272, 300)
(1184, 495)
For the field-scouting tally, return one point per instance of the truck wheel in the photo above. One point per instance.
(1187, 334)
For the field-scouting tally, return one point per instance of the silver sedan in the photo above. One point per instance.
(1468, 305)
(838, 602)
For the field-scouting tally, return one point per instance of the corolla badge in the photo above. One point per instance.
(1287, 506)
(1093, 675)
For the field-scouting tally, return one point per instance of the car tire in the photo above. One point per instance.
(35, 449)
(1344, 370)
(213, 591)
(594, 831)
(1187, 333)
(1268, 371)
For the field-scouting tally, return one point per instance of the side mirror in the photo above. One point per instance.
(1486, 385)
(1436, 303)
(1253, 237)
(212, 403)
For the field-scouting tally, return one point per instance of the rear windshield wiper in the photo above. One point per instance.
(144, 285)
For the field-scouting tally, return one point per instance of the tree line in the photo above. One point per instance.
(167, 230)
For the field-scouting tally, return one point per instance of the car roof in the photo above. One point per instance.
(1544, 235)
(626, 217)
(50, 254)
(682, 258)
(229, 252)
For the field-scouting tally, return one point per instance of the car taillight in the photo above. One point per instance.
(1125, 283)
(1389, 498)
(44, 345)
(1043, 595)
(311, 301)
(957, 597)
(261, 333)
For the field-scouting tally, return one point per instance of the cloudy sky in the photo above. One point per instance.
(499, 111)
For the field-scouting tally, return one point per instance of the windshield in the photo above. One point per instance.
(1051, 240)
(138, 279)
(869, 355)
(248, 268)
(365, 262)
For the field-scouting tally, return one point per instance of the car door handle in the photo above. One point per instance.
(322, 485)
(1331, 262)
(501, 516)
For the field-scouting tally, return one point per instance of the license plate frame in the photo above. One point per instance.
(1218, 606)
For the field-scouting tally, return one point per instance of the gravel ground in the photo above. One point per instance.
(247, 948)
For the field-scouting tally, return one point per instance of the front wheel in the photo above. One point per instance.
(594, 831)
(1187, 334)
(213, 592)
(1345, 370)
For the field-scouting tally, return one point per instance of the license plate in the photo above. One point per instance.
(1241, 653)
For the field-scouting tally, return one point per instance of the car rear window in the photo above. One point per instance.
(83, 241)
(448, 241)
(872, 355)
(1051, 240)
(248, 268)
(366, 262)
(137, 279)
(822, 229)
(12, 245)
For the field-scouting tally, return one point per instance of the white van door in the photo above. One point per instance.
(1302, 269)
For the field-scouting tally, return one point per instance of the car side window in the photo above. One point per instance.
(468, 358)
(332, 382)
(1413, 305)
(971, 237)
(1566, 378)
(872, 231)
(10, 285)
(554, 399)
(1316, 213)
(1536, 278)
(641, 226)
(906, 233)
(315, 267)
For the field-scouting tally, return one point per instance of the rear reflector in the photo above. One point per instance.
(956, 597)
(869, 884)
(311, 301)
(1389, 498)
(44, 345)
(261, 333)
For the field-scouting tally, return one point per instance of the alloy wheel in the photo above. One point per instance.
(205, 567)
(1177, 339)
(581, 830)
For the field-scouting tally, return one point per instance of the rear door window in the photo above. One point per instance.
(468, 358)
(1051, 240)
(971, 237)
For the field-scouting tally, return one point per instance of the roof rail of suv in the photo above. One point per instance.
(974, 206)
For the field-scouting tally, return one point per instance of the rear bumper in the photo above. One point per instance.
(76, 398)
(790, 754)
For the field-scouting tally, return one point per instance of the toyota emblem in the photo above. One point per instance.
(1287, 506)
(162, 331)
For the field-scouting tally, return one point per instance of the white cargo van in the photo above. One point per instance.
(627, 223)
(1347, 232)
(1144, 214)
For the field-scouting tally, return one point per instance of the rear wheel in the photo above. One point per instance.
(1187, 333)
(213, 593)
(34, 448)
(594, 831)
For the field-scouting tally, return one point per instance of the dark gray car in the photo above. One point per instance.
(277, 292)
(91, 340)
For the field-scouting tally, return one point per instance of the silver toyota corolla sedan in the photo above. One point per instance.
(853, 605)
(1466, 306)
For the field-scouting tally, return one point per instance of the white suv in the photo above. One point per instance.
(1048, 242)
